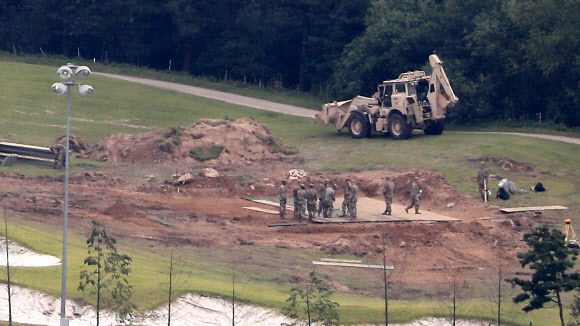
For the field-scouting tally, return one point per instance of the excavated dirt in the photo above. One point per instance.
(508, 164)
(243, 142)
(207, 212)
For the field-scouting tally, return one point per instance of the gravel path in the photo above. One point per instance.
(278, 107)
(565, 139)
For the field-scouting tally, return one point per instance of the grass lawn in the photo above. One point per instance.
(196, 273)
(32, 114)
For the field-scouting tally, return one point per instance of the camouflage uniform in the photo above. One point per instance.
(482, 180)
(282, 198)
(328, 202)
(320, 193)
(353, 200)
(311, 196)
(301, 194)
(347, 199)
(60, 155)
(388, 191)
(296, 202)
(415, 192)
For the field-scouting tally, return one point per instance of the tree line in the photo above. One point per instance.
(507, 59)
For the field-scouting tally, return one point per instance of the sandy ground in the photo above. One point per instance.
(190, 310)
(19, 256)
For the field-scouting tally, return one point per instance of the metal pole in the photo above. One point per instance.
(63, 320)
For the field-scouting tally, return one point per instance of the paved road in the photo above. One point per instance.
(277, 107)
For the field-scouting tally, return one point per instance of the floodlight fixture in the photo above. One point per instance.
(83, 72)
(59, 88)
(64, 72)
(86, 90)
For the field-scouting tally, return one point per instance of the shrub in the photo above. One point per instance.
(166, 147)
(290, 150)
(204, 153)
(173, 131)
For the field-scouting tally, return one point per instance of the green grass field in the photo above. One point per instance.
(31, 113)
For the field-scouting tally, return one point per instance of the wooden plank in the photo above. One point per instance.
(342, 260)
(532, 208)
(268, 202)
(158, 220)
(287, 224)
(263, 210)
(328, 263)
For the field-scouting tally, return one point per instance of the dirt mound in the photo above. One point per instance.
(121, 211)
(217, 142)
(508, 164)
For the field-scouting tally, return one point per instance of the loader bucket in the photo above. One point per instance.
(337, 113)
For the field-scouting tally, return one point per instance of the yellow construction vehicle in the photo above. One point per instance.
(571, 239)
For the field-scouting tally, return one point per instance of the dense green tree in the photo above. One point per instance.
(105, 275)
(506, 59)
(551, 261)
(312, 303)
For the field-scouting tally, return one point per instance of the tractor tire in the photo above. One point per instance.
(359, 126)
(398, 127)
(435, 128)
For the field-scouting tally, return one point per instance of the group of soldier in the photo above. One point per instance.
(310, 203)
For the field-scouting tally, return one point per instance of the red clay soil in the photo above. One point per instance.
(207, 212)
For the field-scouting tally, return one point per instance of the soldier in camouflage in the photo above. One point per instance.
(282, 198)
(415, 193)
(59, 151)
(321, 194)
(301, 194)
(296, 201)
(353, 189)
(482, 180)
(388, 191)
(347, 198)
(328, 203)
(311, 196)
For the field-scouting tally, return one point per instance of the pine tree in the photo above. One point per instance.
(551, 260)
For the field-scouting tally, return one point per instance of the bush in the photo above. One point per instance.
(173, 131)
(166, 147)
(290, 150)
(204, 153)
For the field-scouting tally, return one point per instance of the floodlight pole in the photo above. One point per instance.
(63, 320)
(66, 73)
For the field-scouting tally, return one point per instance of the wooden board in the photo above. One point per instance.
(158, 220)
(287, 224)
(342, 260)
(263, 210)
(270, 202)
(532, 208)
(329, 263)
